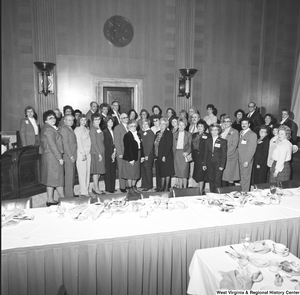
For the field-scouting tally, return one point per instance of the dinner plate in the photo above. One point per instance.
(11, 222)
(259, 247)
(287, 193)
(285, 254)
(81, 217)
(180, 205)
(259, 261)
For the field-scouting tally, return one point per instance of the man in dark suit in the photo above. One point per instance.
(286, 120)
(215, 154)
(93, 109)
(246, 149)
(255, 117)
(119, 133)
(114, 112)
(70, 154)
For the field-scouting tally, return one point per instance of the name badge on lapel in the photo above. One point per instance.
(145, 133)
(217, 145)
(204, 137)
(27, 122)
(244, 141)
(98, 130)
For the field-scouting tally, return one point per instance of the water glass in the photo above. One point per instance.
(242, 260)
(210, 201)
(273, 189)
(245, 240)
(61, 211)
(273, 265)
(242, 200)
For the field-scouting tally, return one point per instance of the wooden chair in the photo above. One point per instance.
(229, 189)
(23, 203)
(263, 185)
(290, 184)
(185, 192)
(146, 195)
(75, 201)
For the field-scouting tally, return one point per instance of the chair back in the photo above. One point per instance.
(75, 201)
(23, 203)
(290, 184)
(146, 195)
(62, 290)
(229, 189)
(185, 192)
(263, 185)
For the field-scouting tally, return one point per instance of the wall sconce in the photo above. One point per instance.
(45, 78)
(185, 82)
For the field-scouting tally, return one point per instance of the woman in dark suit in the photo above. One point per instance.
(147, 136)
(110, 156)
(97, 152)
(215, 153)
(260, 160)
(182, 141)
(198, 144)
(51, 148)
(132, 157)
(163, 145)
(29, 128)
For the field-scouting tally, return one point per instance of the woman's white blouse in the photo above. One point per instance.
(282, 153)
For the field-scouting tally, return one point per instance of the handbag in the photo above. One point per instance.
(189, 158)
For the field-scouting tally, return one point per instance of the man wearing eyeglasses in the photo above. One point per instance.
(254, 116)
(119, 132)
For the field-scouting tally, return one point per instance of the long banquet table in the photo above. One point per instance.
(127, 254)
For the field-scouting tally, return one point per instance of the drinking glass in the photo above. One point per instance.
(242, 260)
(61, 211)
(272, 189)
(242, 200)
(210, 201)
(245, 240)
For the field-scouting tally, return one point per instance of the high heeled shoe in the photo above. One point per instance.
(48, 204)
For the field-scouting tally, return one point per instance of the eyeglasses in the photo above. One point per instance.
(124, 117)
(251, 106)
(155, 120)
(50, 118)
(132, 126)
(227, 121)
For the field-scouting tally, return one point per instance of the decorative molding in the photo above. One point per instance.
(136, 84)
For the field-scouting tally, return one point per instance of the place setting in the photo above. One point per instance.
(14, 217)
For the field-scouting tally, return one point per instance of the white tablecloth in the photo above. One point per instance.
(127, 254)
(206, 264)
(48, 229)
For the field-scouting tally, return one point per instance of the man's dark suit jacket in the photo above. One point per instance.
(217, 155)
(294, 129)
(256, 120)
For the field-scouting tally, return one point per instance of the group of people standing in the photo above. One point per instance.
(185, 147)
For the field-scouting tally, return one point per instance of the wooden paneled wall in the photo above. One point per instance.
(243, 49)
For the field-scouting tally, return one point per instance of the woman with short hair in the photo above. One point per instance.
(260, 159)
(97, 152)
(144, 115)
(215, 154)
(83, 162)
(239, 114)
(182, 141)
(163, 145)
(198, 145)
(29, 128)
(51, 149)
(155, 128)
(110, 156)
(132, 158)
(282, 155)
(156, 111)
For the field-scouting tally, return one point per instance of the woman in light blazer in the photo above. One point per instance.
(232, 170)
(97, 152)
(83, 162)
(182, 141)
(29, 128)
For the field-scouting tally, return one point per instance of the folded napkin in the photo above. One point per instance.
(10, 214)
(233, 280)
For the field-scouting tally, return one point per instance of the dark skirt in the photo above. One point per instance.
(180, 165)
(131, 171)
(166, 168)
(52, 173)
(284, 175)
(96, 166)
(199, 174)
